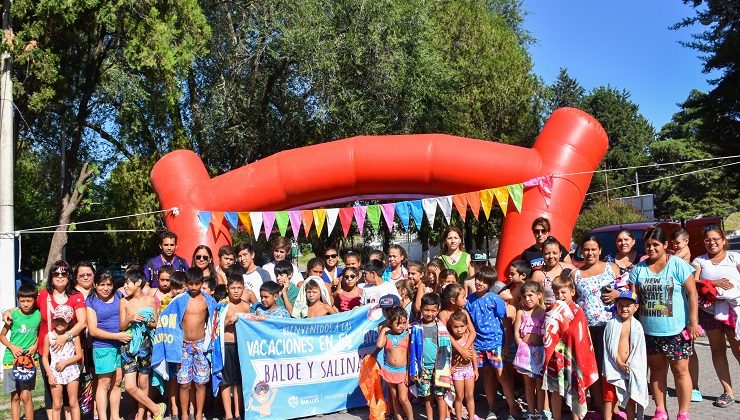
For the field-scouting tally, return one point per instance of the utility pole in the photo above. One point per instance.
(7, 238)
(637, 185)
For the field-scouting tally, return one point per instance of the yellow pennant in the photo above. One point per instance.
(502, 196)
(486, 201)
(319, 217)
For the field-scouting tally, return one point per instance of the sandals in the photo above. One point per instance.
(723, 400)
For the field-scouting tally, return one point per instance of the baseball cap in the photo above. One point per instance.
(389, 301)
(478, 256)
(500, 286)
(63, 312)
(627, 294)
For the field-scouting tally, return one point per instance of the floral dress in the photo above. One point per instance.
(70, 372)
(589, 295)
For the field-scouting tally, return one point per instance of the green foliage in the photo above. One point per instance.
(604, 213)
(565, 92)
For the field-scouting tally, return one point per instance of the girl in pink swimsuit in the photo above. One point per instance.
(464, 371)
(530, 350)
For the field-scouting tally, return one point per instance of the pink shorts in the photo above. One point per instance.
(393, 374)
(462, 373)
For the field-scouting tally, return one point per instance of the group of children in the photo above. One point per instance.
(504, 335)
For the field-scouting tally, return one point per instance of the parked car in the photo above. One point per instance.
(607, 235)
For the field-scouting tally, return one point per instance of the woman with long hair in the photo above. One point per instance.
(453, 255)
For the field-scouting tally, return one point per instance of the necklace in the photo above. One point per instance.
(452, 259)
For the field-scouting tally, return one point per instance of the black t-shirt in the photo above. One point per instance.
(535, 258)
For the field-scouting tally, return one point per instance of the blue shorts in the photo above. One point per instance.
(106, 360)
(425, 385)
(490, 358)
(194, 367)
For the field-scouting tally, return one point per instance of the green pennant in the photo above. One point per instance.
(282, 219)
(516, 192)
(373, 215)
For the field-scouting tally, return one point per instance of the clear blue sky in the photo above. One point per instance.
(626, 44)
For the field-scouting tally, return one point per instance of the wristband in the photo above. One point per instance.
(69, 335)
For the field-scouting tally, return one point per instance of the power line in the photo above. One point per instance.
(174, 210)
(90, 231)
(662, 178)
(652, 165)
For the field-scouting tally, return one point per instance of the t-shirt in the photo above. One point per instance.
(76, 300)
(535, 258)
(292, 293)
(372, 294)
(663, 305)
(277, 312)
(387, 274)
(108, 316)
(151, 268)
(725, 269)
(325, 274)
(270, 268)
(429, 348)
(486, 312)
(23, 332)
(254, 280)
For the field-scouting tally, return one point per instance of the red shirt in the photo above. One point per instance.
(76, 301)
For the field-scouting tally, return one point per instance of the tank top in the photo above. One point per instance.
(347, 303)
(531, 325)
(460, 267)
(589, 295)
(549, 294)
(108, 316)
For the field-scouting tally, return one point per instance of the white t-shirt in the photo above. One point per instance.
(725, 269)
(254, 280)
(297, 276)
(372, 294)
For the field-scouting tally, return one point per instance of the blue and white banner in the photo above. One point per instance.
(302, 367)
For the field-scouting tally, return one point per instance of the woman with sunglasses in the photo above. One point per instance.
(332, 271)
(59, 290)
(722, 268)
(203, 259)
(533, 254)
(348, 296)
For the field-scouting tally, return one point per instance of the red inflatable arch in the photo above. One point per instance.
(398, 167)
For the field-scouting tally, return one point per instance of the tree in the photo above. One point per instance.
(604, 213)
(718, 46)
(65, 54)
(709, 192)
(566, 91)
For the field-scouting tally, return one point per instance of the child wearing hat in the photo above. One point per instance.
(625, 362)
(62, 365)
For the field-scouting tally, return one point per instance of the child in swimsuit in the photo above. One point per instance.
(530, 350)
(464, 371)
(394, 339)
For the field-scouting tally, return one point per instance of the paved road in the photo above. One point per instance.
(702, 410)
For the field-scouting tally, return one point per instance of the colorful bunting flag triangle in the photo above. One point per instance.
(417, 212)
(295, 222)
(373, 215)
(486, 201)
(256, 217)
(319, 217)
(307, 216)
(516, 192)
(430, 209)
(345, 218)
(282, 219)
(445, 204)
(204, 217)
(461, 204)
(502, 196)
(360, 212)
(268, 220)
(389, 210)
(331, 220)
(403, 210)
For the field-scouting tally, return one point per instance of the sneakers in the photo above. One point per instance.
(660, 414)
(491, 416)
(723, 400)
(683, 416)
(696, 395)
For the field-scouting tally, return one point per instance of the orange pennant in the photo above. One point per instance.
(246, 222)
(474, 203)
(307, 220)
(461, 204)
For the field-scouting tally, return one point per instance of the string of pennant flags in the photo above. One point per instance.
(415, 210)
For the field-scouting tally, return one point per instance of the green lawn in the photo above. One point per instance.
(38, 392)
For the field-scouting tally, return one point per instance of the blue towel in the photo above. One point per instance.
(168, 338)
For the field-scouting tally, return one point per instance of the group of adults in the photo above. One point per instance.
(671, 318)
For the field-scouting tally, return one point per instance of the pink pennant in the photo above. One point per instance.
(389, 210)
(345, 218)
(268, 221)
(295, 222)
(545, 185)
(360, 212)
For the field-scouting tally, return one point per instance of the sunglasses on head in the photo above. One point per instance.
(327, 256)
(201, 257)
(710, 227)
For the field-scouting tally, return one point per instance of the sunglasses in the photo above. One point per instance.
(350, 276)
(201, 257)
(84, 275)
(61, 273)
(328, 256)
(538, 231)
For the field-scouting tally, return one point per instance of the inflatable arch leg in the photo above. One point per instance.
(399, 167)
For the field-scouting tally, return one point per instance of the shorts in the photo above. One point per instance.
(673, 347)
(11, 385)
(393, 374)
(141, 362)
(231, 372)
(597, 340)
(194, 366)
(529, 360)
(490, 358)
(462, 373)
(707, 321)
(106, 360)
(425, 386)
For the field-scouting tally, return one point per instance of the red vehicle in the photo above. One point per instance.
(607, 235)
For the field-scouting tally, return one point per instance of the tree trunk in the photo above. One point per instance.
(70, 203)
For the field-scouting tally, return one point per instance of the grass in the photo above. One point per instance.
(36, 393)
(303, 260)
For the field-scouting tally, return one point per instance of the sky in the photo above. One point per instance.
(625, 44)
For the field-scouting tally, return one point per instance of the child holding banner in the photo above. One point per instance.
(394, 338)
(268, 306)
